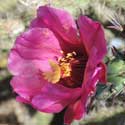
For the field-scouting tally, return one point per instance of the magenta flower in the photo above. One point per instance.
(56, 64)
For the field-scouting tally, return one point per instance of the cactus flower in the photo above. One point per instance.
(57, 64)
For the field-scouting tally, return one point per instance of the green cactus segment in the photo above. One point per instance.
(116, 74)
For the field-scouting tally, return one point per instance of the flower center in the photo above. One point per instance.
(68, 70)
(65, 65)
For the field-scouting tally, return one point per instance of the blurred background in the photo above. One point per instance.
(15, 16)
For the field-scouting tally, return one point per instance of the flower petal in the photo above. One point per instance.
(73, 112)
(92, 35)
(94, 72)
(28, 86)
(94, 68)
(78, 109)
(90, 68)
(37, 43)
(103, 73)
(24, 67)
(54, 98)
(59, 21)
(22, 100)
(32, 51)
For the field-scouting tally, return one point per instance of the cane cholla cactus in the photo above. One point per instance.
(56, 64)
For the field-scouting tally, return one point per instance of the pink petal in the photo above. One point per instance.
(94, 68)
(28, 86)
(92, 35)
(22, 100)
(59, 21)
(32, 51)
(37, 43)
(78, 109)
(54, 98)
(24, 67)
(73, 112)
(94, 72)
(103, 73)
(37, 22)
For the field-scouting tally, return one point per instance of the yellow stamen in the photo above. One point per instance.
(65, 65)
(65, 69)
(54, 75)
(61, 70)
